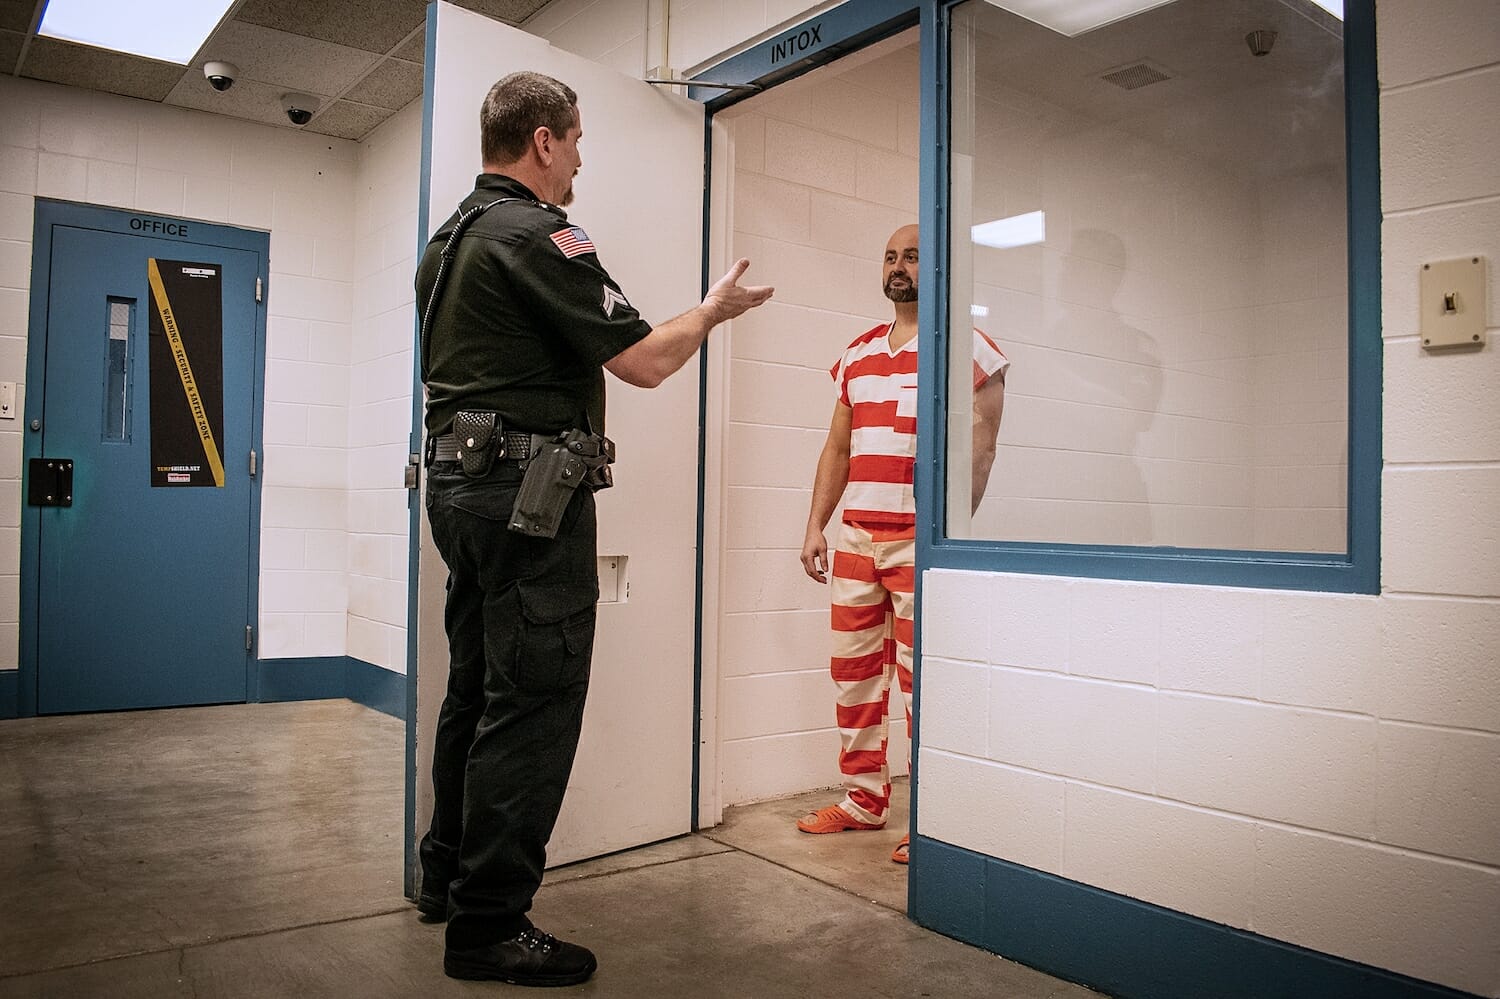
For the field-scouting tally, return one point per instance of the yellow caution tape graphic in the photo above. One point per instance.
(185, 371)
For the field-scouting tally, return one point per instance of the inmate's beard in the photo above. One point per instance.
(907, 294)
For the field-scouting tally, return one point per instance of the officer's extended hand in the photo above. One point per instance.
(815, 556)
(727, 299)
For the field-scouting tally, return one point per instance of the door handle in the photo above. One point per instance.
(49, 482)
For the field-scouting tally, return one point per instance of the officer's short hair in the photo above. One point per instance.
(516, 107)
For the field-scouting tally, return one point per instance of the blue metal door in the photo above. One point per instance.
(143, 584)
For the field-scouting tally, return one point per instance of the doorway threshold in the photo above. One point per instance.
(856, 862)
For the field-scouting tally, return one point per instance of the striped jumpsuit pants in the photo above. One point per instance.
(872, 595)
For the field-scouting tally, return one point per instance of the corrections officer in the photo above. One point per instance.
(525, 322)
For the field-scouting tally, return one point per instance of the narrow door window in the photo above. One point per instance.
(117, 385)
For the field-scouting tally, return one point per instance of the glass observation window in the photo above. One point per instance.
(117, 371)
(1149, 217)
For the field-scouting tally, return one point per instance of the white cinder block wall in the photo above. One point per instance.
(825, 169)
(304, 519)
(342, 219)
(389, 165)
(1316, 768)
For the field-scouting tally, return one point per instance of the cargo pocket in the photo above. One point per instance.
(557, 640)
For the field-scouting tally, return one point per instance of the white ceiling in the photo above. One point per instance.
(362, 58)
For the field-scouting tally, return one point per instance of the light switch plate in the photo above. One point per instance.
(1453, 303)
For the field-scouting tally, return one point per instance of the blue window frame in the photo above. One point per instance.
(1355, 570)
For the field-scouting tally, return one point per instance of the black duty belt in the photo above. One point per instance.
(518, 446)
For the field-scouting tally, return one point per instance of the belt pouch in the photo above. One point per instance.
(479, 441)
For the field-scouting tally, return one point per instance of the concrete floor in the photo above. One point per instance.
(256, 851)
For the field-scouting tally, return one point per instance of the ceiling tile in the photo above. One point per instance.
(10, 50)
(98, 69)
(287, 60)
(348, 120)
(247, 99)
(371, 25)
(509, 11)
(392, 84)
(415, 49)
(15, 15)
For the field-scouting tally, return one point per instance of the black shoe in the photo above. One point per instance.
(532, 958)
(431, 910)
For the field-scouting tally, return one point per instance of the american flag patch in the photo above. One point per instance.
(573, 241)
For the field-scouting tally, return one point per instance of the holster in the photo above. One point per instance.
(571, 459)
(479, 440)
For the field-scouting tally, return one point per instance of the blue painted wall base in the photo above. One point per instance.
(289, 680)
(323, 677)
(1123, 946)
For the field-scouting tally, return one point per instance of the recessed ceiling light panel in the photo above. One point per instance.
(1074, 17)
(168, 30)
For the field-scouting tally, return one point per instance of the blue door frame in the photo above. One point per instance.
(165, 232)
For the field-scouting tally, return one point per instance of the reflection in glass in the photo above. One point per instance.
(1149, 219)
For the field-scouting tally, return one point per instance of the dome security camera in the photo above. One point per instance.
(221, 75)
(299, 108)
(1260, 42)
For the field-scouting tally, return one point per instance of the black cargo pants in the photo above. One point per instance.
(520, 622)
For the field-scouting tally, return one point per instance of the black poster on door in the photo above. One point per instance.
(187, 373)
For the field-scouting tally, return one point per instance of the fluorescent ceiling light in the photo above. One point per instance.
(1074, 17)
(1334, 7)
(168, 30)
(1018, 230)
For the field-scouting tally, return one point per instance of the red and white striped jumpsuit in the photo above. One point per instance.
(873, 572)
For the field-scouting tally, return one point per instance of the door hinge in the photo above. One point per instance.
(260, 289)
(253, 464)
(413, 470)
(249, 637)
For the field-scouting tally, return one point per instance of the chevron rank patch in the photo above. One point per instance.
(573, 241)
(613, 298)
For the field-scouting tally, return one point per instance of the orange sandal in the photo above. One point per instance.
(831, 820)
(899, 854)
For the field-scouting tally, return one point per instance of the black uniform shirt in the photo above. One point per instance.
(527, 318)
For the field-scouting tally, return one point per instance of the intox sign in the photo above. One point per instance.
(796, 42)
